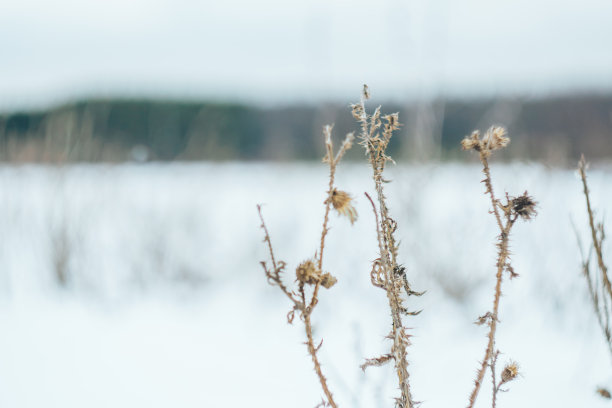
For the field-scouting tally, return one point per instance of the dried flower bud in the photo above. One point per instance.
(308, 273)
(342, 203)
(496, 138)
(524, 206)
(357, 111)
(392, 121)
(604, 393)
(327, 280)
(471, 142)
(366, 92)
(510, 372)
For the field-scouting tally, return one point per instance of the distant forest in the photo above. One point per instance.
(555, 130)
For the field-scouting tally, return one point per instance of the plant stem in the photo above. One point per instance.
(317, 366)
(501, 263)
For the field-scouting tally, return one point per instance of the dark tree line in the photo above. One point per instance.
(556, 130)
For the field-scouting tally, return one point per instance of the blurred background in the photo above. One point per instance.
(137, 137)
(157, 80)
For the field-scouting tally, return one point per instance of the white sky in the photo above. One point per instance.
(272, 51)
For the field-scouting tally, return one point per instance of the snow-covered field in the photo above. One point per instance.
(164, 303)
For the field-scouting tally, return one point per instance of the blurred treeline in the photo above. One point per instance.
(555, 130)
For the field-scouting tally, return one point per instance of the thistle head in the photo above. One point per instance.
(494, 139)
(343, 204)
(308, 273)
(510, 372)
(524, 206)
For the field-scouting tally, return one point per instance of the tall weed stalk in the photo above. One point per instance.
(506, 213)
(387, 274)
(309, 274)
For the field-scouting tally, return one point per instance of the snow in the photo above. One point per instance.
(166, 304)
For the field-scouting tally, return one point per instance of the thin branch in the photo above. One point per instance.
(601, 304)
(596, 241)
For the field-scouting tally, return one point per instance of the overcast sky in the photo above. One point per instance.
(272, 51)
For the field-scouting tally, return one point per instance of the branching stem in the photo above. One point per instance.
(501, 264)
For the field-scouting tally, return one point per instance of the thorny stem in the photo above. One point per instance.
(317, 366)
(495, 386)
(328, 202)
(501, 263)
(378, 235)
(275, 274)
(489, 185)
(389, 263)
(299, 305)
(267, 237)
(399, 347)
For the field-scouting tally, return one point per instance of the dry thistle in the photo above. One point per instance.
(387, 273)
(524, 206)
(309, 272)
(342, 203)
(514, 207)
(510, 372)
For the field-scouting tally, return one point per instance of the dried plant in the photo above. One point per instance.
(387, 273)
(310, 273)
(506, 213)
(598, 280)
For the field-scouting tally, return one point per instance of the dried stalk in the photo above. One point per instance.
(601, 302)
(505, 217)
(310, 272)
(386, 273)
(494, 379)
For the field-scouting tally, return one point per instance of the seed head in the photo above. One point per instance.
(342, 203)
(327, 280)
(308, 273)
(496, 138)
(524, 206)
(472, 141)
(510, 372)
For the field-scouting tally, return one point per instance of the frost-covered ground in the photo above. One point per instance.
(164, 302)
